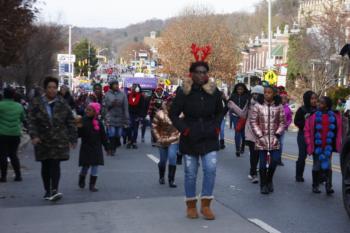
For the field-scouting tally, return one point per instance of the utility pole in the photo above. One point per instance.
(89, 56)
(269, 59)
(70, 80)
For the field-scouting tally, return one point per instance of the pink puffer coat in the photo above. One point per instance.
(267, 121)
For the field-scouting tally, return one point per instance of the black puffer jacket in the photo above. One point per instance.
(203, 112)
(91, 153)
(304, 111)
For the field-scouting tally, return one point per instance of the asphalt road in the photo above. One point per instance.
(131, 200)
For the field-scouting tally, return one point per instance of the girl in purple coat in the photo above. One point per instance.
(289, 117)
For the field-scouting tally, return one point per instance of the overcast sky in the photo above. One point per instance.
(121, 13)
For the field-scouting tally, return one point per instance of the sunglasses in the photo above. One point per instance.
(200, 72)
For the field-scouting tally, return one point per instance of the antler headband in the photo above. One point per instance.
(205, 51)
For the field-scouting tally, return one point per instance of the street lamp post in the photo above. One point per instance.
(270, 35)
(70, 68)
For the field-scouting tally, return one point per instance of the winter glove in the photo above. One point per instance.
(186, 132)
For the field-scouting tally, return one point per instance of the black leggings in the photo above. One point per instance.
(254, 158)
(9, 146)
(50, 173)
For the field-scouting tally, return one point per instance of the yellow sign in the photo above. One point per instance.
(271, 77)
(167, 82)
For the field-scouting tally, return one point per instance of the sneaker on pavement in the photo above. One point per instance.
(55, 196)
(255, 180)
(250, 177)
(47, 196)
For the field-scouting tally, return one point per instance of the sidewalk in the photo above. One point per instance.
(156, 215)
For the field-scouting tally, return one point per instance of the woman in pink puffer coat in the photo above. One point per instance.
(268, 124)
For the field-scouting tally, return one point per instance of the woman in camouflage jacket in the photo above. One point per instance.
(53, 131)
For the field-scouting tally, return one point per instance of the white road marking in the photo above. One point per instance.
(263, 225)
(153, 158)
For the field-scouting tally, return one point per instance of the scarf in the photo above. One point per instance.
(134, 99)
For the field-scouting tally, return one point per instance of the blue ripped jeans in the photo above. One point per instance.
(209, 162)
(93, 170)
(168, 153)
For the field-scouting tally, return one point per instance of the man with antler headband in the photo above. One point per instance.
(201, 104)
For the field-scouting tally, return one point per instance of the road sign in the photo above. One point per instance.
(271, 77)
(63, 69)
(65, 58)
(167, 82)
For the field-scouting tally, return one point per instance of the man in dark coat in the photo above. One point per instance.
(200, 102)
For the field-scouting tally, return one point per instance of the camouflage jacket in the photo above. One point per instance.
(55, 132)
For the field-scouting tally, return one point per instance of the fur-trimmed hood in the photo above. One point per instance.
(209, 87)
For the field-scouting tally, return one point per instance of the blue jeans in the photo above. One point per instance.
(145, 123)
(222, 130)
(168, 153)
(209, 162)
(133, 130)
(114, 131)
(275, 157)
(93, 170)
(239, 136)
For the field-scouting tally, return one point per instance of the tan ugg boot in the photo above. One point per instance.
(192, 209)
(205, 209)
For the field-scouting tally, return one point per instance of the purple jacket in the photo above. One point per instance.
(309, 133)
(288, 114)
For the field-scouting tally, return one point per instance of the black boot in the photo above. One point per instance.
(82, 181)
(263, 181)
(242, 147)
(161, 174)
(179, 159)
(222, 144)
(4, 171)
(17, 169)
(315, 182)
(238, 150)
(329, 189)
(117, 142)
(171, 176)
(92, 187)
(113, 146)
(299, 172)
(270, 174)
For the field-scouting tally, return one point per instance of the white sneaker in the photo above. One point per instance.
(56, 196)
(250, 177)
(255, 180)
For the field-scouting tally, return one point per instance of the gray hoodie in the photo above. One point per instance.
(118, 113)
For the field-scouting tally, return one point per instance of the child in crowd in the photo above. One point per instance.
(268, 124)
(289, 118)
(256, 93)
(323, 136)
(93, 137)
(167, 138)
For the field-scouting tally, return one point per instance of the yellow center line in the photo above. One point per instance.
(308, 161)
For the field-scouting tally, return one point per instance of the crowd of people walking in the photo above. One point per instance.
(189, 122)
